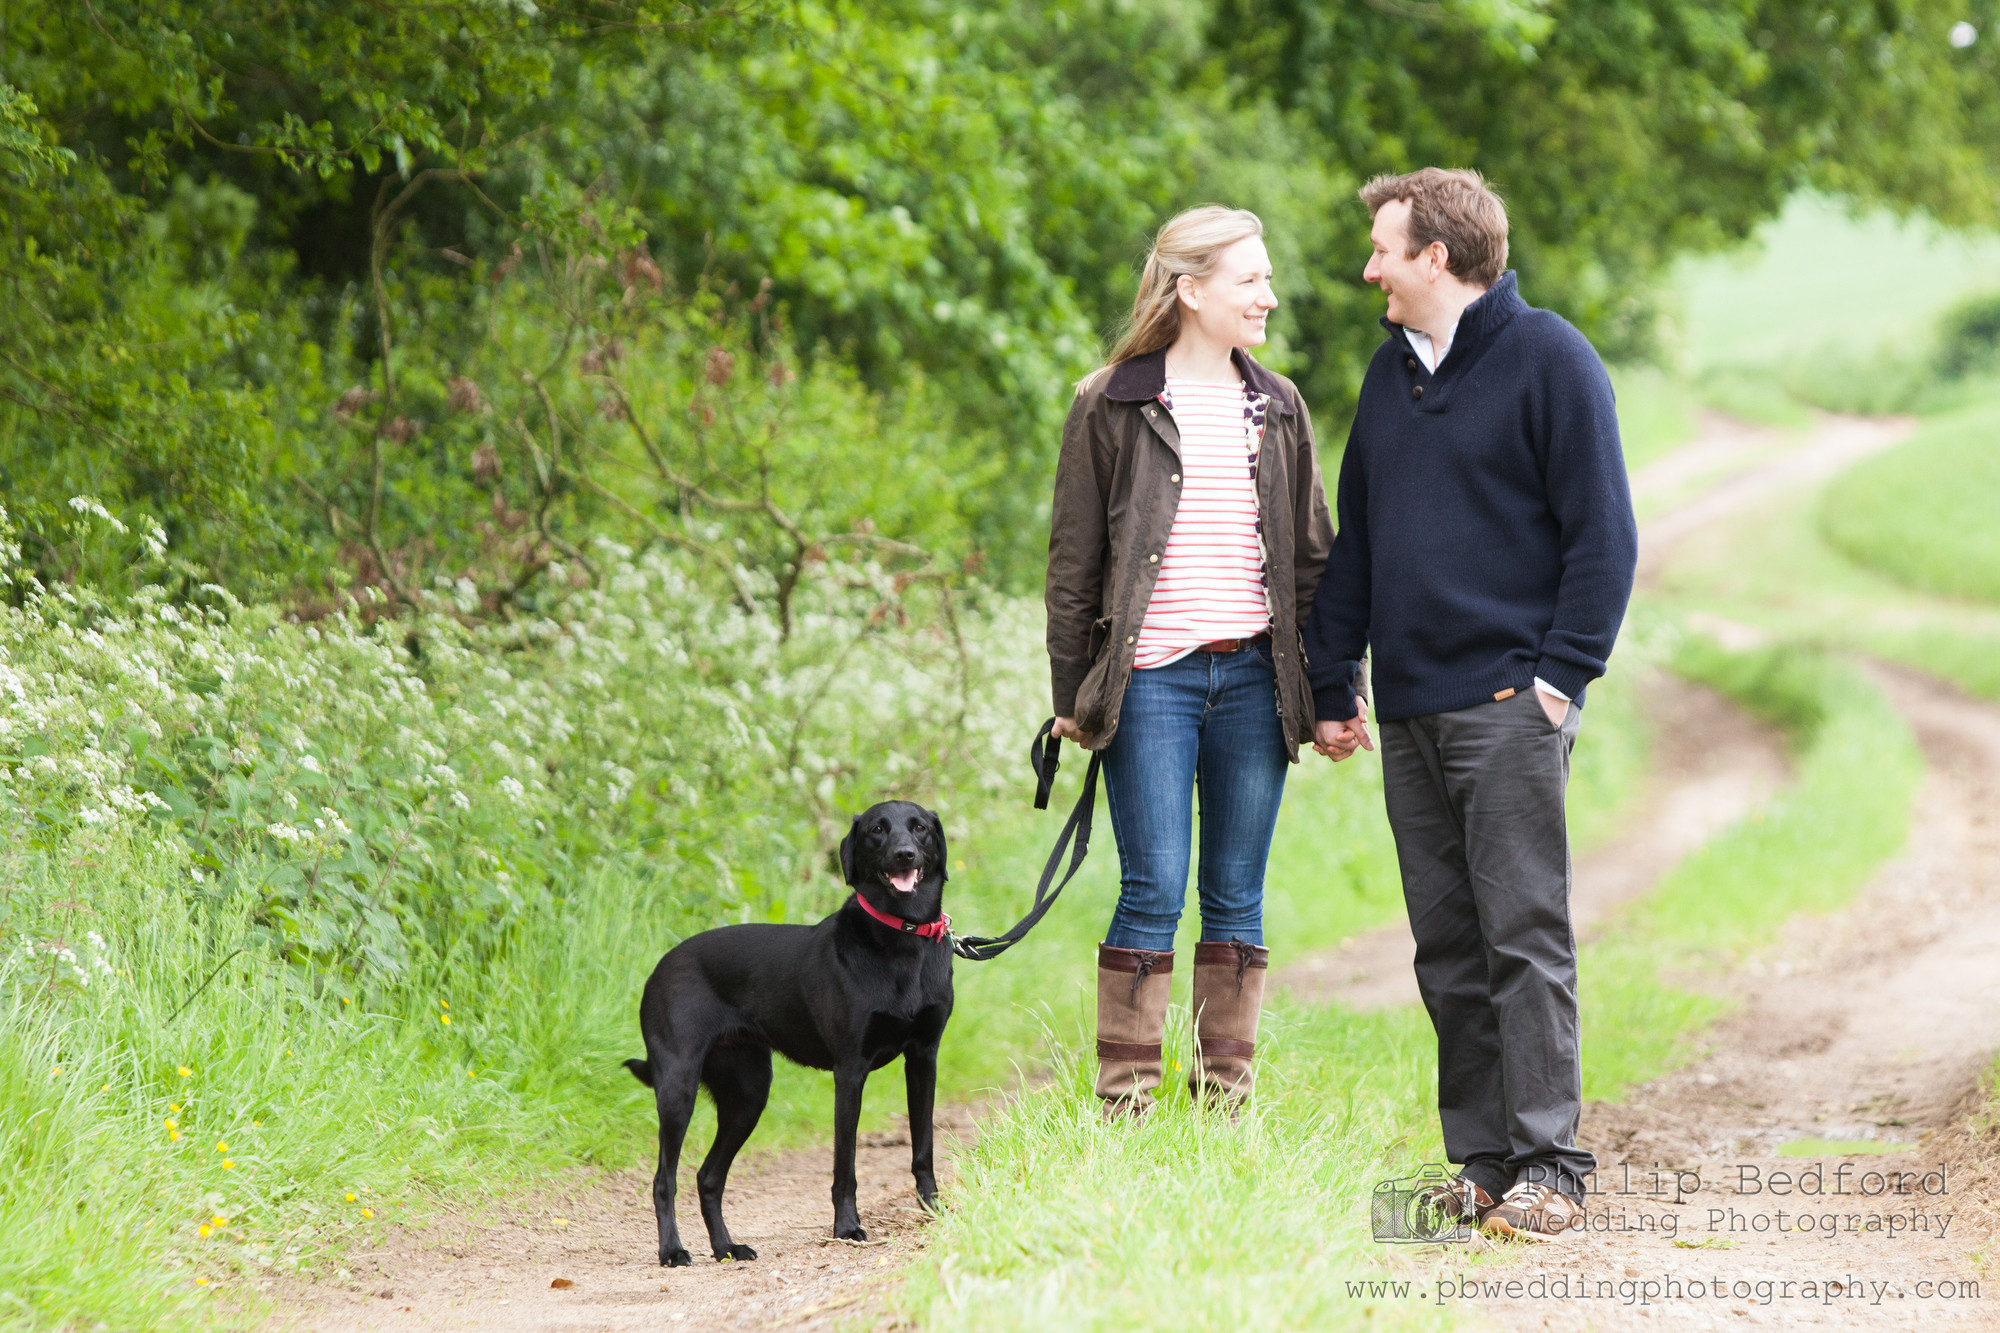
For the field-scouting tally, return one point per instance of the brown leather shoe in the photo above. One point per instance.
(1132, 987)
(1532, 1212)
(1228, 999)
(1458, 1201)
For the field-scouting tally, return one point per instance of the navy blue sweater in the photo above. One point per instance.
(1486, 530)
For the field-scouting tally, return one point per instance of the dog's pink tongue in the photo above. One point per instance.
(905, 881)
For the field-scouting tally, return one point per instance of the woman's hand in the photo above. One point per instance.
(1065, 729)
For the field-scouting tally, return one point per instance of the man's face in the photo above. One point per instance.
(1405, 281)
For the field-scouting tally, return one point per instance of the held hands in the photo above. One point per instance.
(1338, 740)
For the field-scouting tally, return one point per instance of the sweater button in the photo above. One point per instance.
(1130, 639)
(1416, 391)
(1152, 560)
(1175, 479)
(1410, 361)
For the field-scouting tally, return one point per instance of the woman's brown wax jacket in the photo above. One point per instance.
(1117, 488)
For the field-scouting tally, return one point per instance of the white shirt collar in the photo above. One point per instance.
(1420, 343)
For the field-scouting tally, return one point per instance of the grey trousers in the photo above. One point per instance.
(1475, 801)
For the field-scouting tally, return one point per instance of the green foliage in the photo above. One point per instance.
(227, 224)
(1970, 337)
(1637, 130)
(1923, 513)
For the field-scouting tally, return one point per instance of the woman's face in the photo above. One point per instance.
(1233, 302)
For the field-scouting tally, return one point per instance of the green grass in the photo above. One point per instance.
(1774, 571)
(1656, 413)
(1828, 309)
(1927, 513)
(1841, 1148)
(1058, 1221)
(1821, 280)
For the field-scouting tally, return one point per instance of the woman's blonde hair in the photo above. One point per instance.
(1189, 245)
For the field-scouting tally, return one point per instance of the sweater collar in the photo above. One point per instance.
(1481, 321)
(1145, 377)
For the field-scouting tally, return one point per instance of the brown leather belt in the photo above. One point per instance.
(1234, 645)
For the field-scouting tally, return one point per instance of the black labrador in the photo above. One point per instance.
(869, 983)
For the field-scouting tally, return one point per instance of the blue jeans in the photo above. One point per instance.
(1204, 726)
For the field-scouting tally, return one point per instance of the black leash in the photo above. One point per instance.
(1042, 753)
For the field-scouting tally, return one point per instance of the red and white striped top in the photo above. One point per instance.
(1211, 583)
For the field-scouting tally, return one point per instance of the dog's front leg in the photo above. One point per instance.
(848, 1082)
(920, 1078)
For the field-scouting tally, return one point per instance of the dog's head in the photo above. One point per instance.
(894, 856)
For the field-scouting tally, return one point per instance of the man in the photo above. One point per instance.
(1485, 554)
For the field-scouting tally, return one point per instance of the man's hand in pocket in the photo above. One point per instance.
(1553, 708)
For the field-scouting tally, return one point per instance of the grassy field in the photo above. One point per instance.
(1825, 309)
(1928, 512)
(1820, 281)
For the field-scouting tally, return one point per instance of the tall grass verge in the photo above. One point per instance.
(1059, 1221)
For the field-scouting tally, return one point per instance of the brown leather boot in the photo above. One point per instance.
(1131, 1023)
(1228, 998)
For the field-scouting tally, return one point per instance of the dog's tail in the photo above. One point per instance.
(641, 1070)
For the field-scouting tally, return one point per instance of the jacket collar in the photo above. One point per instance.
(1481, 321)
(1145, 377)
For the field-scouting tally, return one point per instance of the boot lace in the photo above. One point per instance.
(1246, 954)
(1147, 962)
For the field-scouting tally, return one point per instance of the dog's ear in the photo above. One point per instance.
(847, 852)
(944, 853)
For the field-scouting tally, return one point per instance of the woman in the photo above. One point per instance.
(1188, 533)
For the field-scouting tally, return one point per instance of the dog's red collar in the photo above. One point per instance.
(929, 930)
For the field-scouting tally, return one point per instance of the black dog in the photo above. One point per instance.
(849, 994)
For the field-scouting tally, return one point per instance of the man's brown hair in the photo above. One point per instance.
(1454, 206)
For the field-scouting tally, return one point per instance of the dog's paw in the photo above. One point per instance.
(849, 1233)
(735, 1252)
(676, 1259)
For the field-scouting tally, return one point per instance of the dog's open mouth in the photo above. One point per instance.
(904, 881)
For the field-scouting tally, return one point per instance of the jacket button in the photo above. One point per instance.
(1176, 479)
(1410, 361)
(1153, 559)
(1416, 391)
(1130, 639)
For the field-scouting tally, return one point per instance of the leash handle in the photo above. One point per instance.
(1043, 756)
(982, 948)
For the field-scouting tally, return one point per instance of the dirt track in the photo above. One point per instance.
(492, 1270)
(1872, 1024)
